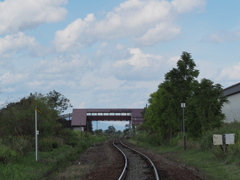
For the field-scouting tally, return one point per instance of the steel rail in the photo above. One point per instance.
(148, 159)
(124, 171)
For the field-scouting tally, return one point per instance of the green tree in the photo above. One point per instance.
(204, 111)
(18, 118)
(164, 113)
(111, 129)
(180, 81)
(57, 101)
(204, 101)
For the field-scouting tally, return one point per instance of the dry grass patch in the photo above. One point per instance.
(75, 171)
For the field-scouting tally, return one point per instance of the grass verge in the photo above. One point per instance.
(27, 168)
(211, 167)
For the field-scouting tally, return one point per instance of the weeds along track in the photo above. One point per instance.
(137, 166)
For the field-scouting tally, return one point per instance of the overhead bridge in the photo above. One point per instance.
(80, 117)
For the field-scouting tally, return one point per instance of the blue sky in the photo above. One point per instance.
(113, 54)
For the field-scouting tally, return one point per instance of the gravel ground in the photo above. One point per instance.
(104, 162)
(100, 162)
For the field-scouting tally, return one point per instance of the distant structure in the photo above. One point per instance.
(80, 117)
(232, 109)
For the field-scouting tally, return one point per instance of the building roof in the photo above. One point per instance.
(234, 89)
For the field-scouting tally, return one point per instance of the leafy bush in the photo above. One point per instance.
(7, 154)
(206, 142)
(69, 136)
(21, 144)
(45, 144)
(153, 139)
(49, 143)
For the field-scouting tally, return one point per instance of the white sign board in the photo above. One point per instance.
(229, 138)
(183, 105)
(217, 139)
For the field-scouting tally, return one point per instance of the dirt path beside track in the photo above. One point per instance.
(104, 162)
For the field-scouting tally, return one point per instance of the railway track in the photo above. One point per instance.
(137, 165)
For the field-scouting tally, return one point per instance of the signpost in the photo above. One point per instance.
(183, 126)
(36, 132)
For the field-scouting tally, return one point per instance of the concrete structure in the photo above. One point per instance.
(81, 116)
(232, 109)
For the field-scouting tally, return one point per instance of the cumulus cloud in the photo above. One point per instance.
(141, 66)
(159, 34)
(74, 34)
(16, 42)
(146, 22)
(138, 60)
(47, 74)
(23, 14)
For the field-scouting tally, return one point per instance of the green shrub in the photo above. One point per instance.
(54, 145)
(69, 136)
(154, 139)
(21, 144)
(45, 144)
(206, 142)
(49, 143)
(6, 154)
(176, 140)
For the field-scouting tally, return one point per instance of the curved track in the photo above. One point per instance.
(137, 165)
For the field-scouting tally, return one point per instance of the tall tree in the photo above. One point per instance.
(57, 101)
(203, 100)
(205, 107)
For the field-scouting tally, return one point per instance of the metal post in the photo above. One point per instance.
(36, 135)
(183, 123)
(81, 131)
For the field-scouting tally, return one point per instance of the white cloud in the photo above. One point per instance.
(47, 74)
(13, 78)
(138, 60)
(23, 14)
(159, 34)
(231, 73)
(141, 66)
(11, 44)
(221, 37)
(184, 6)
(146, 22)
(74, 34)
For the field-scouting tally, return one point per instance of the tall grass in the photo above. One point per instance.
(206, 141)
(27, 168)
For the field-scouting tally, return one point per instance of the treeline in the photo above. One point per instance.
(17, 118)
(204, 100)
(17, 130)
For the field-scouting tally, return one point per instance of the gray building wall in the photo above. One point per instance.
(232, 109)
